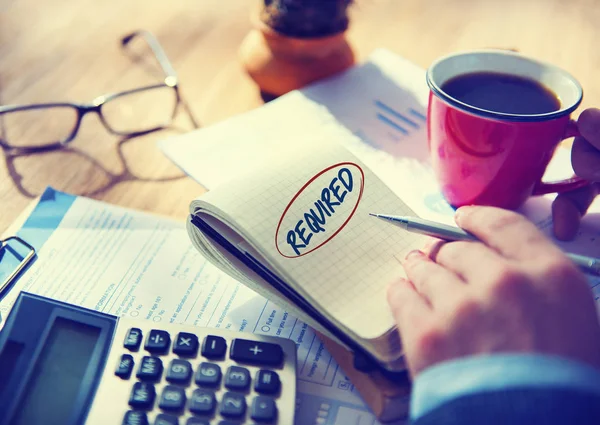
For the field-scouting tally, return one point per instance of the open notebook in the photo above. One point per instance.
(297, 230)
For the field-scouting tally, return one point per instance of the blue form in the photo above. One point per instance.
(45, 218)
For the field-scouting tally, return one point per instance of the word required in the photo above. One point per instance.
(315, 219)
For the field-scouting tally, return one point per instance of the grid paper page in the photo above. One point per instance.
(350, 257)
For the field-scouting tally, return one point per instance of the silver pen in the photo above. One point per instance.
(588, 265)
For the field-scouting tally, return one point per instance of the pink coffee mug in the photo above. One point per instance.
(486, 157)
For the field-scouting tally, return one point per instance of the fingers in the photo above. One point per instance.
(585, 159)
(569, 207)
(472, 261)
(407, 305)
(588, 124)
(411, 312)
(566, 218)
(432, 281)
(509, 233)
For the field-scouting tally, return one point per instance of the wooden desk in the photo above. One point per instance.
(68, 50)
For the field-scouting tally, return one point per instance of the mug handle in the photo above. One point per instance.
(565, 185)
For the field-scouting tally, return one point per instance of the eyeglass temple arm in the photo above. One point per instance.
(156, 48)
(162, 59)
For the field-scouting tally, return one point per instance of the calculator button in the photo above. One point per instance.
(162, 419)
(179, 371)
(214, 347)
(233, 405)
(267, 382)
(133, 339)
(158, 341)
(202, 402)
(172, 398)
(246, 351)
(134, 417)
(150, 369)
(237, 378)
(208, 374)
(263, 409)
(186, 344)
(125, 366)
(197, 421)
(142, 395)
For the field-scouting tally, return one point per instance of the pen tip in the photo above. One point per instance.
(374, 215)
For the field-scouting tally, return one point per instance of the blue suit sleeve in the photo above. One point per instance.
(518, 388)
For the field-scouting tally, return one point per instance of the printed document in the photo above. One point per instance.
(129, 263)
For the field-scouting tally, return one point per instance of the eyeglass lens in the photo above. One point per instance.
(38, 127)
(140, 110)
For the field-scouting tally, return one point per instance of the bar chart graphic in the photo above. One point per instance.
(400, 123)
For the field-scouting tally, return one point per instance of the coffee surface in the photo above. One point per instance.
(502, 93)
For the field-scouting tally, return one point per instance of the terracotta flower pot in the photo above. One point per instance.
(280, 63)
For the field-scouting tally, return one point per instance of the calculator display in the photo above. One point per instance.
(58, 374)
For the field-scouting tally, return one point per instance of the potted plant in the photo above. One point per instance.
(296, 42)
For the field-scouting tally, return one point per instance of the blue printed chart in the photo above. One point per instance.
(399, 123)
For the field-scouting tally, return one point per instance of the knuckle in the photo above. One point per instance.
(411, 264)
(589, 121)
(394, 292)
(422, 284)
(494, 218)
(506, 274)
(430, 340)
(416, 270)
(428, 279)
(561, 266)
(414, 259)
(503, 219)
(451, 251)
(509, 283)
(562, 272)
(467, 310)
(433, 248)
(537, 238)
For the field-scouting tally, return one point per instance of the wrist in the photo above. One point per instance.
(449, 380)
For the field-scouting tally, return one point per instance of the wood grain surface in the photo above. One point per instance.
(56, 50)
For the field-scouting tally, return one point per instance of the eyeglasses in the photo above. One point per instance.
(127, 113)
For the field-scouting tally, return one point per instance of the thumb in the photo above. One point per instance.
(569, 207)
(585, 159)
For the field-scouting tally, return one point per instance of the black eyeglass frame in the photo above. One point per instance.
(170, 81)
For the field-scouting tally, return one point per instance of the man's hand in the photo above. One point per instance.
(513, 292)
(569, 207)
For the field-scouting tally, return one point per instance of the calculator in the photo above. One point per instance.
(64, 364)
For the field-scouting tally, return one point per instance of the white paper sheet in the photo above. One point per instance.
(340, 259)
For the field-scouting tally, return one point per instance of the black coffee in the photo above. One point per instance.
(504, 93)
